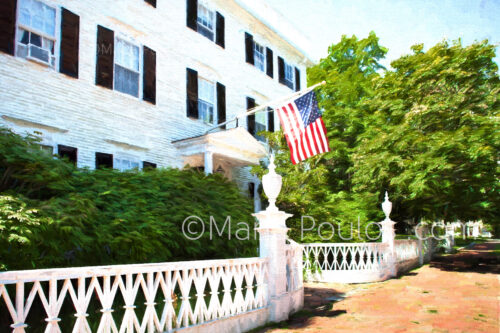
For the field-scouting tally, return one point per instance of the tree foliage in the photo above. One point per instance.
(426, 131)
(53, 214)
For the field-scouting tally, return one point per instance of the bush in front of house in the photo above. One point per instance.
(54, 215)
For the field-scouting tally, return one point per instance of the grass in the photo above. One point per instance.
(432, 311)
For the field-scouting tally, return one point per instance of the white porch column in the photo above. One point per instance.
(475, 229)
(388, 234)
(272, 229)
(209, 162)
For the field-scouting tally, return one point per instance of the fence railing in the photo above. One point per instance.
(346, 262)
(147, 297)
(406, 249)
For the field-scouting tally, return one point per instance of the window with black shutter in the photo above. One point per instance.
(251, 118)
(8, 10)
(219, 32)
(192, 93)
(149, 75)
(67, 152)
(221, 104)
(269, 62)
(249, 48)
(105, 57)
(70, 41)
(103, 161)
(297, 79)
(148, 165)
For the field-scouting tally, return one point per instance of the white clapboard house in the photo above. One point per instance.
(137, 83)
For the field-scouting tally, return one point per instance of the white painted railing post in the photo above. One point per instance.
(388, 235)
(272, 229)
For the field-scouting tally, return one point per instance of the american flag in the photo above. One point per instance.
(303, 126)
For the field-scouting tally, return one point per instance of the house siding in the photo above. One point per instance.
(81, 114)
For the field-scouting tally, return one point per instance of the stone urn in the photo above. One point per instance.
(272, 185)
(387, 206)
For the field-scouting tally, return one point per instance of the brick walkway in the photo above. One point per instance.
(456, 293)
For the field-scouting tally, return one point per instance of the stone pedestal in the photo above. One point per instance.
(272, 229)
(388, 235)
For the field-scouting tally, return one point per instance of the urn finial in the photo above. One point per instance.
(387, 206)
(272, 184)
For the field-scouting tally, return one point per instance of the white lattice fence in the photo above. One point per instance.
(191, 293)
(406, 249)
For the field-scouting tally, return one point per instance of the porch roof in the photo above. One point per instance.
(235, 145)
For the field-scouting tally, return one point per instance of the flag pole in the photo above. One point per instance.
(261, 107)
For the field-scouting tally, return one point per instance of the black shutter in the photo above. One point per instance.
(148, 165)
(249, 48)
(297, 79)
(7, 25)
(103, 160)
(105, 57)
(219, 32)
(270, 119)
(251, 190)
(70, 41)
(251, 118)
(269, 62)
(192, 14)
(221, 104)
(192, 93)
(149, 77)
(281, 70)
(68, 152)
(151, 2)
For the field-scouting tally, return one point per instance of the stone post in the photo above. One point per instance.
(450, 237)
(388, 234)
(272, 229)
(420, 233)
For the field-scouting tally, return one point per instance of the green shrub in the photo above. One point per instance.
(53, 214)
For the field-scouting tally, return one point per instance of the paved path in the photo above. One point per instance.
(455, 293)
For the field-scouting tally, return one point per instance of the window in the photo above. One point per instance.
(103, 160)
(205, 21)
(49, 150)
(36, 32)
(289, 75)
(127, 70)
(206, 100)
(259, 57)
(148, 165)
(260, 124)
(124, 164)
(67, 152)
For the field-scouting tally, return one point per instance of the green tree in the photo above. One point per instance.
(431, 136)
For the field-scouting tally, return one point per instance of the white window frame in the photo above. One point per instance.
(292, 72)
(125, 39)
(211, 14)
(55, 39)
(214, 105)
(131, 159)
(256, 57)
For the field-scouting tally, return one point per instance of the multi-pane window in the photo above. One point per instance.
(259, 57)
(205, 21)
(260, 124)
(123, 164)
(36, 32)
(127, 70)
(206, 100)
(289, 75)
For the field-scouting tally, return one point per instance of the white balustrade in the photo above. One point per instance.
(406, 249)
(183, 287)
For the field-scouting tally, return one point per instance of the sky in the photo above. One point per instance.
(398, 23)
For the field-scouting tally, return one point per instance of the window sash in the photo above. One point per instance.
(206, 100)
(124, 164)
(38, 17)
(259, 57)
(289, 74)
(206, 21)
(127, 55)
